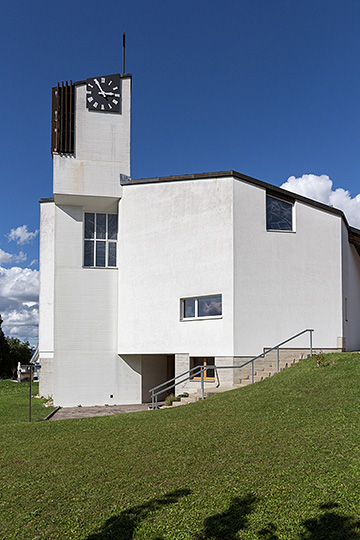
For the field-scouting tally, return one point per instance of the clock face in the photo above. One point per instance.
(103, 93)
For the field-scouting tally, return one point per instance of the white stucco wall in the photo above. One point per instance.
(351, 293)
(46, 297)
(284, 281)
(175, 241)
(85, 319)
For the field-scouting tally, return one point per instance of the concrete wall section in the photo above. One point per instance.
(175, 242)
(154, 372)
(85, 319)
(351, 293)
(284, 281)
(46, 297)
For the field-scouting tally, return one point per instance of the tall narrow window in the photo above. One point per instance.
(100, 239)
(278, 215)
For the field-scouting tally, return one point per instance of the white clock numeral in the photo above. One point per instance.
(102, 79)
(91, 86)
(90, 99)
(109, 83)
(117, 95)
(95, 104)
(115, 88)
(115, 101)
(110, 107)
(102, 108)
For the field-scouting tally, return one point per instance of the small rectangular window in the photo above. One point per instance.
(100, 235)
(210, 306)
(112, 254)
(100, 253)
(200, 361)
(112, 226)
(201, 307)
(89, 253)
(278, 214)
(89, 225)
(189, 307)
(101, 226)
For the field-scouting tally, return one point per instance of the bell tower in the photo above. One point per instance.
(90, 140)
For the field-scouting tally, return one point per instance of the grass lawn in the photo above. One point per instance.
(276, 460)
(14, 403)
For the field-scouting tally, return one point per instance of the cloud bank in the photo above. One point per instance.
(19, 294)
(320, 188)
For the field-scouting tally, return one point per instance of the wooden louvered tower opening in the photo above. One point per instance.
(62, 125)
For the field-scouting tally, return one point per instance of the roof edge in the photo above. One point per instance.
(45, 200)
(273, 190)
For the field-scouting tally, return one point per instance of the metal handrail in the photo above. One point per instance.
(200, 370)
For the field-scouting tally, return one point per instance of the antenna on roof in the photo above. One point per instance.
(123, 58)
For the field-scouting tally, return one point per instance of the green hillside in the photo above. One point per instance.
(276, 460)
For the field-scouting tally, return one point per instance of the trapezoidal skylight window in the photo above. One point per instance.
(279, 214)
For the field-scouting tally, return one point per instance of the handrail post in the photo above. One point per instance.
(277, 359)
(152, 400)
(30, 390)
(252, 372)
(311, 351)
(202, 383)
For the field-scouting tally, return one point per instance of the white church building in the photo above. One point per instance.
(141, 279)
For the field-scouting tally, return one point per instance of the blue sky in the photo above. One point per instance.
(268, 88)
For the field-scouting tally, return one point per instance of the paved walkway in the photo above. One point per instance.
(87, 412)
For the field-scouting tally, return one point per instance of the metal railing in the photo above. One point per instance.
(199, 371)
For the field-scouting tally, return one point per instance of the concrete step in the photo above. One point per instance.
(261, 373)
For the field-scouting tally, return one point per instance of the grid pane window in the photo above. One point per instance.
(100, 239)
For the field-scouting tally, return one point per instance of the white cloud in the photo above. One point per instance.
(19, 293)
(320, 188)
(21, 235)
(6, 258)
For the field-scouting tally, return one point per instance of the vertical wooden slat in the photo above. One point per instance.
(66, 127)
(71, 144)
(58, 118)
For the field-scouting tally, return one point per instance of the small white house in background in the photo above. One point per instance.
(143, 279)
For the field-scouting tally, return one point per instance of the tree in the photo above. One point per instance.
(12, 351)
(5, 364)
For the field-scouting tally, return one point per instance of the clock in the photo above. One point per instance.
(103, 93)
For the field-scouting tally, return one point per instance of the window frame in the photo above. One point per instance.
(290, 202)
(97, 238)
(205, 360)
(198, 317)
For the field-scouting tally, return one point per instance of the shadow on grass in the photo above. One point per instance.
(227, 524)
(331, 526)
(123, 526)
